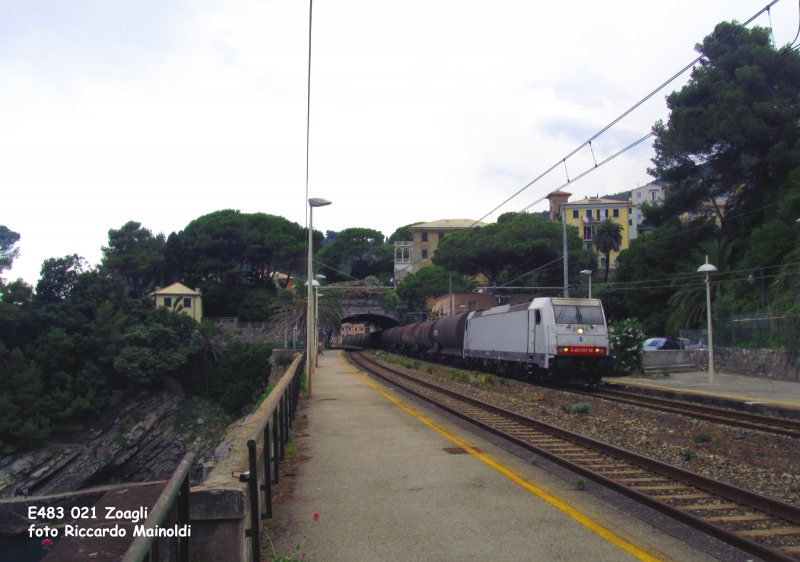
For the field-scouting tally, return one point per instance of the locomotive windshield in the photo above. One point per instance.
(569, 314)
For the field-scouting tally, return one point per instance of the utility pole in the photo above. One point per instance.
(566, 254)
(451, 295)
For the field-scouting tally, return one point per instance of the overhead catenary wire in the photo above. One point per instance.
(625, 114)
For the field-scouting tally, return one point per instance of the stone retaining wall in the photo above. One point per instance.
(769, 363)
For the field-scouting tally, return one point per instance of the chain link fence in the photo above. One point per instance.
(758, 330)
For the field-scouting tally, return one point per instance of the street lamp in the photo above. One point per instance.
(589, 273)
(316, 317)
(708, 268)
(310, 355)
(316, 329)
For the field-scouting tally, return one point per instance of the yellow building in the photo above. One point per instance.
(411, 256)
(588, 213)
(178, 296)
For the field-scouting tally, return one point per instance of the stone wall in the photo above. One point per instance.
(769, 363)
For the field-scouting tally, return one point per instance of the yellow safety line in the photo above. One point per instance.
(703, 392)
(596, 528)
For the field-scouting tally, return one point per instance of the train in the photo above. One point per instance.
(559, 341)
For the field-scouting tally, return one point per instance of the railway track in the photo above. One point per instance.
(700, 411)
(762, 526)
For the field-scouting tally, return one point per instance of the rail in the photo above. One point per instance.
(177, 489)
(268, 441)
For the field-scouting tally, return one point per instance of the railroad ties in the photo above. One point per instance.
(767, 528)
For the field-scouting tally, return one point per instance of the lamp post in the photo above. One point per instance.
(708, 268)
(313, 202)
(316, 315)
(589, 273)
(316, 332)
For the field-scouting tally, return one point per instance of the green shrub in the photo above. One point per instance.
(580, 483)
(580, 408)
(626, 338)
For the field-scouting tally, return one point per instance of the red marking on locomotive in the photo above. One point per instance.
(582, 350)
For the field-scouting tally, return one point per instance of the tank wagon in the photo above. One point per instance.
(555, 340)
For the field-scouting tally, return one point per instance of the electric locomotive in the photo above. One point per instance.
(554, 340)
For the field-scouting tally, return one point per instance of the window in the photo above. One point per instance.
(630, 222)
(639, 195)
(589, 213)
(187, 303)
(538, 316)
(605, 213)
(654, 195)
(638, 216)
(576, 214)
(602, 262)
(566, 314)
(589, 247)
(588, 232)
(424, 236)
(168, 301)
(616, 213)
(441, 236)
(424, 254)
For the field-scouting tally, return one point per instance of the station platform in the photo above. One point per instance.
(385, 486)
(779, 394)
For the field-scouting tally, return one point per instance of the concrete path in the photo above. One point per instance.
(738, 387)
(385, 489)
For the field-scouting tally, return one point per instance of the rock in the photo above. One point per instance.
(200, 420)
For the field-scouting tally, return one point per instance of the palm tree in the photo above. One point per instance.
(289, 309)
(608, 237)
(209, 338)
(690, 299)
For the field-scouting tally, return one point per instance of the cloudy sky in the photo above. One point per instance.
(162, 111)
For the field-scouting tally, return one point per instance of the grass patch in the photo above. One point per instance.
(700, 438)
(580, 483)
(580, 408)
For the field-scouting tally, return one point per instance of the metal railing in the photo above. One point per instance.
(177, 490)
(270, 438)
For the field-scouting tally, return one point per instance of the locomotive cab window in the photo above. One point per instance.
(568, 314)
(538, 316)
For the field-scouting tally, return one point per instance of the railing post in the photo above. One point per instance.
(276, 445)
(284, 433)
(290, 393)
(183, 518)
(255, 516)
(267, 486)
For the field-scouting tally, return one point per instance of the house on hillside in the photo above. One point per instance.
(588, 213)
(654, 194)
(412, 255)
(180, 297)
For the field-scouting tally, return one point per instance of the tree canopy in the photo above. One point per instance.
(355, 252)
(732, 130)
(525, 247)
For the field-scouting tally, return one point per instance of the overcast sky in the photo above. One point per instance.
(163, 111)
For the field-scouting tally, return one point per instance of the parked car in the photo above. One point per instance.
(655, 344)
(701, 344)
(686, 342)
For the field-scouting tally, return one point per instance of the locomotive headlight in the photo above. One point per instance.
(580, 330)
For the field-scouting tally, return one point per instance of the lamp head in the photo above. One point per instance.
(320, 276)
(586, 272)
(318, 202)
(706, 268)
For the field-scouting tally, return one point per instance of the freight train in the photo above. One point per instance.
(553, 340)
